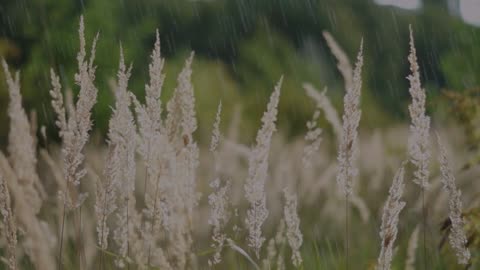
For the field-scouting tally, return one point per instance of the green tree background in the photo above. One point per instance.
(242, 48)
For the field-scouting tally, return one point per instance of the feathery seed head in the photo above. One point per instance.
(418, 141)
(257, 174)
(390, 218)
(294, 235)
(347, 153)
(457, 236)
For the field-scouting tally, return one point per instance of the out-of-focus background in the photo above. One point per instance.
(242, 48)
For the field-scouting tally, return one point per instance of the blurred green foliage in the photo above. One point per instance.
(242, 48)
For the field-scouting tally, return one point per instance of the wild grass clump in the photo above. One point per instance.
(153, 197)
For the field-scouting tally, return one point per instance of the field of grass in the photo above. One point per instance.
(152, 197)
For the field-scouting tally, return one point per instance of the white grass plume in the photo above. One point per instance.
(9, 225)
(122, 132)
(390, 218)
(153, 90)
(347, 152)
(257, 174)
(456, 236)
(119, 166)
(181, 118)
(219, 198)
(106, 195)
(294, 235)
(418, 141)
(180, 125)
(156, 152)
(216, 130)
(219, 216)
(149, 115)
(75, 126)
(22, 145)
(36, 240)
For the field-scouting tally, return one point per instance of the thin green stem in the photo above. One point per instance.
(61, 239)
(128, 238)
(347, 235)
(83, 259)
(424, 214)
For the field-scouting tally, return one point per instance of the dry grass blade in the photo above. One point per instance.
(343, 64)
(238, 249)
(412, 248)
(323, 102)
(312, 139)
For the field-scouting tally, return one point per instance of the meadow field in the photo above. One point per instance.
(151, 195)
